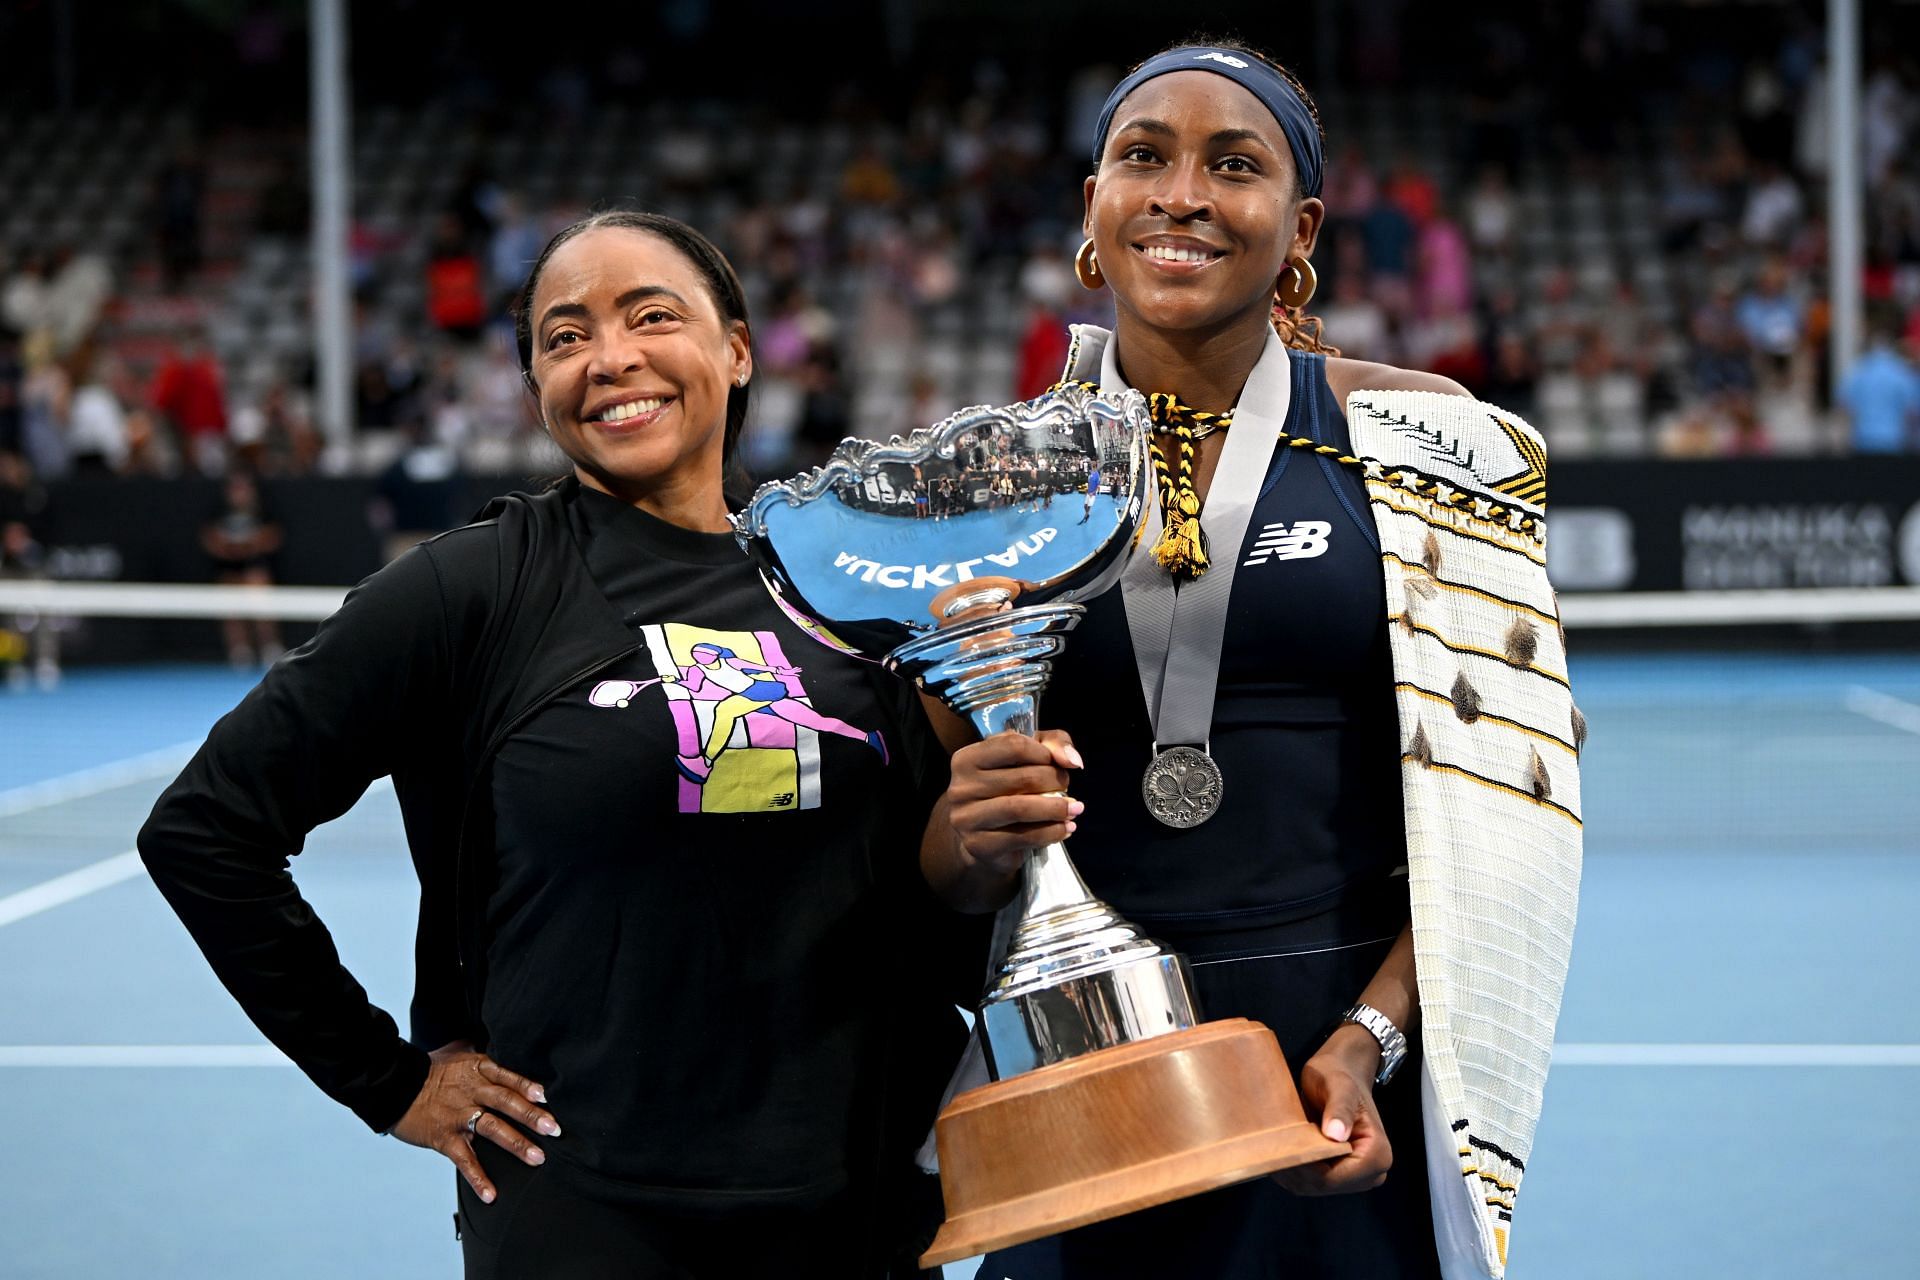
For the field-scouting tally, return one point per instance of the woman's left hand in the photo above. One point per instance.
(1336, 1087)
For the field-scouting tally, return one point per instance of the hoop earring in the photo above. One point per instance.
(1086, 266)
(1305, 281)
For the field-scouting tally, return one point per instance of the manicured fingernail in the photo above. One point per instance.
(1073, 758)
(1075, 808)
(486, 1196)
(537, 1094)
(549, 1127)
(1072, 827)
(1337, 1130)
(536, 1156)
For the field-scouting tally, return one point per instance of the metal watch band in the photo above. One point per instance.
(1393, 1045)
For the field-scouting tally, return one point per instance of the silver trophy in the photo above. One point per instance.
(957, 557)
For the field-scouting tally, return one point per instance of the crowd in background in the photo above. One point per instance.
(924, 265)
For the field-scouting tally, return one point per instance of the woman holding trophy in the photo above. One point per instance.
(642, 893)
(1329, 749)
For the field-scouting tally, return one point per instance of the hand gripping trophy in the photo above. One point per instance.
(957, 557)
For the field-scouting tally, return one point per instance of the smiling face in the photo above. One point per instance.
(632, 362)
(1196, 207)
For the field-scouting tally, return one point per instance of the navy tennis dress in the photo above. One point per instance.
(1289, 898)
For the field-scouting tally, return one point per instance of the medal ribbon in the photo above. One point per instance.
(1179, 627)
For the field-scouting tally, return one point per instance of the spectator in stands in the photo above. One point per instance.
(190, 393)
(24, 637)
(1512, 374)
(456, 291)
(390, 384)
(1773, 209)
(23, 300)
(1366, 333)
(242, 538)
(1389, 238)
(514, 244)
(1772, 317)
(46, 402)
(1446, 267)
(274, 434)
(826, 416)
(1560, 320)
(1490, 213)
(78, 287)
(1722, 361)
(1045, 286)
(1888, 112)
(1750, 437)
(1881, 396)
(97, 422)
(420, 494)
(151, 450)
(1691, 201)
(868, 178)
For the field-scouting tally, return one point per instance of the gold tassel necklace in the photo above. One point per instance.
(1182, 548)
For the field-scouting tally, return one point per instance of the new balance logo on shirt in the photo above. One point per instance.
(1279, 541)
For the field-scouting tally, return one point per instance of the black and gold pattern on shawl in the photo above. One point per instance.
(1426, 760)
(1447, 584)
(1404, 620)
(1460, 524)
(1530, 484)
(1447, 699)
(1455, 500)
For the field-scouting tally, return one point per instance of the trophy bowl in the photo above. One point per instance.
(958, 557)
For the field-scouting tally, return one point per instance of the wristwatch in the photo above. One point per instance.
(1393, 1045)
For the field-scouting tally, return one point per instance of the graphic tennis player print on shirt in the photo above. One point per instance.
(748, 735)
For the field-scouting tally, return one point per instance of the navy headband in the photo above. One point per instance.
(1251, 74)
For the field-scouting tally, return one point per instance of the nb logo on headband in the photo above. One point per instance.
(1236, 63)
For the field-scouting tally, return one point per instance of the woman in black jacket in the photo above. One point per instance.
(680, 957)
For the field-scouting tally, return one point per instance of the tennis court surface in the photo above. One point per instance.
(1734, 1092)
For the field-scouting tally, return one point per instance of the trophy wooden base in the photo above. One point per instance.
(1117, 1130)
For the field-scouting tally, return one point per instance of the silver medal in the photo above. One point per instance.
(1182, 786)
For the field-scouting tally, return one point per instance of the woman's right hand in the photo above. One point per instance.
(1008, 797)
(464, 1085)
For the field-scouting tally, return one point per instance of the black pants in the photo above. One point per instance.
(542, 1227)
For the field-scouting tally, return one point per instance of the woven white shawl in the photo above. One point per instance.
(1490, 744)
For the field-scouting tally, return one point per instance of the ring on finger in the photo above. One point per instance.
(473, 1121)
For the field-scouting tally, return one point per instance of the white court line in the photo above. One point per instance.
(91, 782)
(74, 884)
(1883, 707)
(1566, 1055)
(1736, 1055)
(91, 879)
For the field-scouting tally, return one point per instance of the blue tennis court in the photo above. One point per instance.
(1735, 1092)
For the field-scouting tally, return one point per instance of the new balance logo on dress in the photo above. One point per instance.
(1302, 541)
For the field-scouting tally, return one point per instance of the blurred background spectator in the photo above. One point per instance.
(1607, 216)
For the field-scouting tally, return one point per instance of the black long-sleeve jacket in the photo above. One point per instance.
(420, 675)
